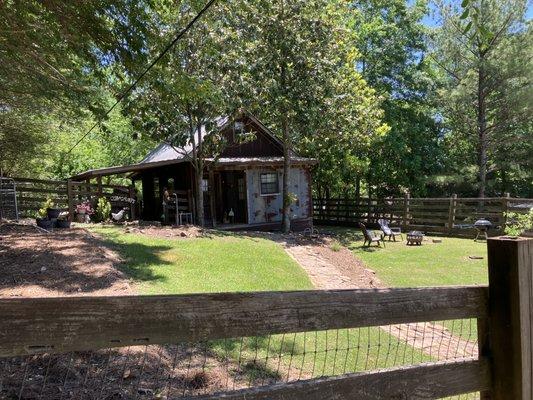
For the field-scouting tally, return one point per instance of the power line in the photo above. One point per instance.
(159, 57)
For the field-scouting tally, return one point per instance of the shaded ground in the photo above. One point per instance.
(34, 263)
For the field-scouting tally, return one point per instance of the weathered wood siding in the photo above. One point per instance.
(268, 208)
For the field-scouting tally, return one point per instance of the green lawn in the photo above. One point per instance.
(227, 262)
(431, 264)
(218, 263)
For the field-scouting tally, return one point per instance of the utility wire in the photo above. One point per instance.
(159, 57)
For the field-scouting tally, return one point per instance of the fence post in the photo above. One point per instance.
(70, 201)
(405, 210)
(510, 317)
(131, 195)
(451, 212)
(100, 189)
(505, 208)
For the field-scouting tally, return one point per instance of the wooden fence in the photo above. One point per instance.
(502, 371)
(66, 194)
(453, 215)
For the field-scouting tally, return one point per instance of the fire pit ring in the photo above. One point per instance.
(415, 237)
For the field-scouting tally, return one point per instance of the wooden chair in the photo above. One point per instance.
(388, 231)
(370, 236)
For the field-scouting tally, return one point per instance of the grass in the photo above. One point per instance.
(229, 263)
(431, 264)
(219, 263)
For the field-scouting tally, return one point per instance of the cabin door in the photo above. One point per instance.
(233, 198)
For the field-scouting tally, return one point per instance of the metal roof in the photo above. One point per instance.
(166, 154)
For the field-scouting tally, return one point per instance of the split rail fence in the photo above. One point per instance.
(453, 215)
(423, 343)
(32, 193)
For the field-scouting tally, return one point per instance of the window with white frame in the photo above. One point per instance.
(269, 183)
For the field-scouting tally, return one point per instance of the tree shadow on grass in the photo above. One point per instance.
(71, 262)
(138, 259)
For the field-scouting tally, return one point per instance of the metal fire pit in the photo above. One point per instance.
(482, 226)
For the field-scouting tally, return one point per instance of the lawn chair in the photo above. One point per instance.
(370, 236)
(388, 231)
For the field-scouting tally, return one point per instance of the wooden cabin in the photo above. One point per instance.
(241, 188)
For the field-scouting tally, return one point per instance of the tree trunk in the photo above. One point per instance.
(286, 208)
(482, 130)
(197, 162)
(286, 176)
(199, 175)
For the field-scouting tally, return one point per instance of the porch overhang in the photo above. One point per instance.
(118, 170)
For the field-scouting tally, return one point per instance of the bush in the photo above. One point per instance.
(335, 246)
(518, 223)
(103, 209)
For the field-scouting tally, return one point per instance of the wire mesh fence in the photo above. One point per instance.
(191, 369)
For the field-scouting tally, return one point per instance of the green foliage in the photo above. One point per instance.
(518, 223)
(103, 209)
(58, 61)
(43, 211)
(485, 98)
(391, 37)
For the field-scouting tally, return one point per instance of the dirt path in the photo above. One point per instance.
(330, 269)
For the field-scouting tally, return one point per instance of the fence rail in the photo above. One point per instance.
(66, 194)
(454, 215)
(422, 343)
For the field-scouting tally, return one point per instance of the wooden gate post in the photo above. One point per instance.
(131, 195)
(405, 211)
(70, 201)
(451, 212)
(510, 317)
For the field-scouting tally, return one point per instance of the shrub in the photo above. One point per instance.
(43, 213)
(103, 209)
(518, 223)
(335, 246)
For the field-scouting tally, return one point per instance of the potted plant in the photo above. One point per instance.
(83, 210)
(42, 220)
(62, 220)
(51, 211)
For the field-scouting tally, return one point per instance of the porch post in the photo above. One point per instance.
(212, 197)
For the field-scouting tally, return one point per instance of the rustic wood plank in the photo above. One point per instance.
(511, 320)
(40, 181)
(36, 325)
(428, 381)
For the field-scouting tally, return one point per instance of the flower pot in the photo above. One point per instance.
(44, 223)
(53, 212)
(80, 217)
(62, 223)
